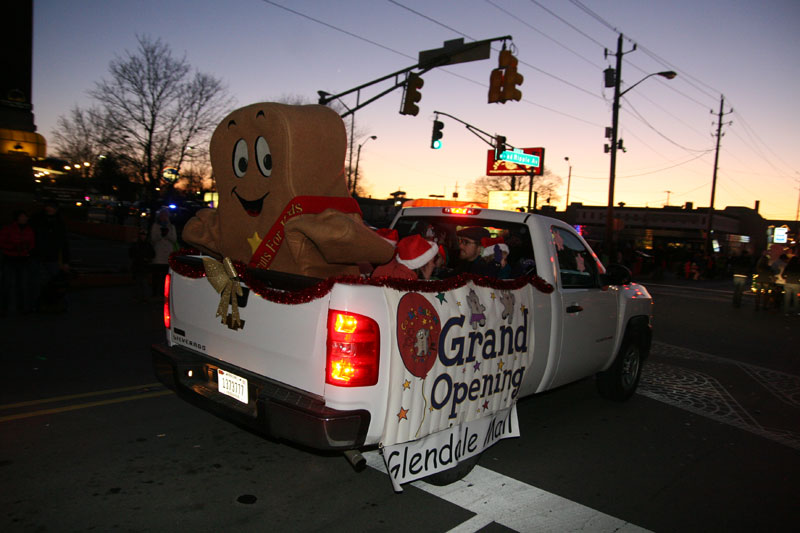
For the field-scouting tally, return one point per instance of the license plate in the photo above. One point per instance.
(232, 385)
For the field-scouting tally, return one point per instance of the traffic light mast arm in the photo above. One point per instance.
(479, 133)
(433, 59)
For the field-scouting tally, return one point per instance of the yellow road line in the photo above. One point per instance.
(76, 396)
(75, 407)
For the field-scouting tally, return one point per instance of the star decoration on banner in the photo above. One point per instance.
(522, 308)
(441, 298)
(493, 296)
(402, 414)
(477, 366)
(406, 385)
(458, 303)
(431, 409)
(500, 365)
(254, 241)
(485, 404)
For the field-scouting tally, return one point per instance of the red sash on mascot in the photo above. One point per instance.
(300, 205)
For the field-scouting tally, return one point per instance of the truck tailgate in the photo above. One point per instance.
(285, 343)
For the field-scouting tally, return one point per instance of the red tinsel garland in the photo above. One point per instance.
(324, 287)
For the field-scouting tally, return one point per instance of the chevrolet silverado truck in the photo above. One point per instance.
(427, 372)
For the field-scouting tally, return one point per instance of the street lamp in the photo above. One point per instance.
(668, 74)
(358, 156)
(569, 179)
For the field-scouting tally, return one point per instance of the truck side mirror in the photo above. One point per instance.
(616, 274)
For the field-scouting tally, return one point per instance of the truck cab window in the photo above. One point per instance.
(576, 265)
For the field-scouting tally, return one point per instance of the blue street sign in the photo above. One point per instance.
(521, 158)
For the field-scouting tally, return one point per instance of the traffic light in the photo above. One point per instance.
(496, 86)
(436, 136)
(499, 146)
(504, 80)
(412, 95)
(511, 79)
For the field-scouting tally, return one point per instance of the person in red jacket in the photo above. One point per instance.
(17, 241)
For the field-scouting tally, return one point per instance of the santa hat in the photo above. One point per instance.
(489, 243)
(414, 251)
(389, 235)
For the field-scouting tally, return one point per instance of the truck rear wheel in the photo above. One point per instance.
(451, 475)
(619, 382)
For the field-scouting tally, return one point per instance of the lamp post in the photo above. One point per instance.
(569, 179)
(358, 156)
(668, 74)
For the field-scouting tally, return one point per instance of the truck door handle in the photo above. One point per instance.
(575, 308)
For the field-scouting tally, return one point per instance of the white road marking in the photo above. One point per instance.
(515, 505)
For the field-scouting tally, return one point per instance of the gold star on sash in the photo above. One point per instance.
(254, 241)
(406, 384)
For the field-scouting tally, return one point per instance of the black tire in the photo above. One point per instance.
(456, 473)
(619, 382)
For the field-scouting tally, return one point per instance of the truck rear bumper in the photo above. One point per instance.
(274, 409)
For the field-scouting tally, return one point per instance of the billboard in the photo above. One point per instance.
(508, 200)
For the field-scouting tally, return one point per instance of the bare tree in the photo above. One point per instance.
(545, 185)
(76, 138)
(155, 111)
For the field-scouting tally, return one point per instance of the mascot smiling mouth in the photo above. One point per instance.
(251, 207)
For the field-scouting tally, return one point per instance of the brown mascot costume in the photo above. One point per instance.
(283, 200)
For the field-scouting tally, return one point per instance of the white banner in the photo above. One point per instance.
(443, 450)
(457, 356)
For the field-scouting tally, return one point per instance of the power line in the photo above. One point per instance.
(646, 123)
(540, 32)
(598, 43)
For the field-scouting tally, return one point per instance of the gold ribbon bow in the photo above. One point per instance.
(225, 280)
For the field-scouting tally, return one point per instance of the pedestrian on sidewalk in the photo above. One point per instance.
(51, 257)
(141, 254)
(791, 288)
(17, 241)
(764, 279)
(164, 238)
(742, 266)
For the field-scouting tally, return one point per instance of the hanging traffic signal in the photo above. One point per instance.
(412, 95)
(504, 80)
(499, 146)
(511, 79)
(436, 136)
(496, 86)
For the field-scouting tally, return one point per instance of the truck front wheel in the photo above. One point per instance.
(619, 382)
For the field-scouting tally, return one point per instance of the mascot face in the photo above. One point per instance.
(263, 156)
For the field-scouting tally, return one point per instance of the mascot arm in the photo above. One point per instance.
(202, 231)
(342, 238)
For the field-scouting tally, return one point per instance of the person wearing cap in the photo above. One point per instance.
(470, 251)
(415, 259)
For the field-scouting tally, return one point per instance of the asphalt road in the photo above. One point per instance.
(90, 441)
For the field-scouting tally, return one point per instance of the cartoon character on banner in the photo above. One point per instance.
(418, 330)
(476, 309)
(507, 301)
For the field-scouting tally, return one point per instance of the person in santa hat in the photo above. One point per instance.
(415, 259)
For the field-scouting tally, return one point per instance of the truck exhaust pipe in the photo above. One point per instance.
(357, 460)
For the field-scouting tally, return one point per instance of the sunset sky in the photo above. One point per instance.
(747, 51)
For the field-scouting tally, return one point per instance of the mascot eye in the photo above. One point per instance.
(263, 156)
(240, 158)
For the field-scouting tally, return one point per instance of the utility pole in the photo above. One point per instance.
(710, 226)
(612, 173)
(668, 193)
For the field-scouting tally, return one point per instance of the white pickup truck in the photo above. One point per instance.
(428, 371)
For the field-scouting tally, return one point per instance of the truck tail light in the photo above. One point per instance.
(167, 316)
(353, 350)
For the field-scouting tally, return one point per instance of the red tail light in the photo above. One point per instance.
(353, 350)
(167, 317)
